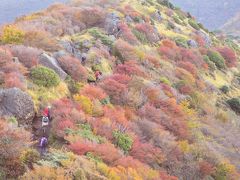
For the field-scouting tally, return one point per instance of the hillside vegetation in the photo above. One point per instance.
(166, 107)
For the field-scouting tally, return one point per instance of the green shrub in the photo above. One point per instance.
(73, 86)
(170, 25)
(224, 89)
(165, 80)
(216, 57)
(211, 64)
(194, 24)
(182, 42)
(43, 76)
(97, 33)
(166, 3)
(93, 157)
(177, 20)
(180, 14)
(123, 141)
(85, 131)
(140, 36)
(234, 103)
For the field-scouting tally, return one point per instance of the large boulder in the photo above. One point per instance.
(14, 102)
(111, 23)
(52, 63)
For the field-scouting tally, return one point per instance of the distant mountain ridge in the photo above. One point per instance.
(232, 26)
(212, 13)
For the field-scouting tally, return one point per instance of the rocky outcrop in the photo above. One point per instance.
(111, 23)
(206, 38)
(50, 62)
(14, 102)
(192, 43)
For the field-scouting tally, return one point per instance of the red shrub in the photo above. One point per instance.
(170, 44)
(144, 28)
(115, 90)
(200, 40)
(167, 90)
(62, 108)
(93, 92)
(81, 148)
(125, 50)
(5, 56)
(130, 68)
(152, 94)
(27, 56)
(128, 10)
(121, 78)
(185, 89)
(206, 168)
(117, 116)
(146, 153)
(73, 67)
(107, 152)
(229, 56)
(153, 60)
(148, 30)
(65, 124)
(91, 16)
(189, 67)
(127, 34)
(192, 56)
(129, 161)
(13, 79)
(169, 50)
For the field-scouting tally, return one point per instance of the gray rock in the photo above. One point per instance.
(206, 38)
(59, 54)
(192, 43)
(14, 102)
(128, 19)
(157, 16)
(111, 23)
(52, 63)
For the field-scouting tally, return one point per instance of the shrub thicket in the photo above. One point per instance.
(123, 141)
(43, 76)
(194, 24)
(218, 60)
(234, 103)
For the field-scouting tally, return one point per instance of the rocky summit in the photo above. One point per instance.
(119, 90)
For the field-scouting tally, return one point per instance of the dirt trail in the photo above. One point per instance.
(38, 132)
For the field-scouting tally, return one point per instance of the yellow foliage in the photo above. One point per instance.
(42, 95)
(45, 173)
(85, 103)
(12, 35)
(184, 146)
(140, 53)
(190, 112)
(222, 116)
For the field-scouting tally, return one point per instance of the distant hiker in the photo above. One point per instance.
(45, 121)
(98, 75)
(46, 112)
(43, 144)
(83, 59)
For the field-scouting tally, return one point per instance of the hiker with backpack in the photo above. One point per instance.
(43, 145)
(98, 75)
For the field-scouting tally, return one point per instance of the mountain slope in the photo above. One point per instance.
(138, 89)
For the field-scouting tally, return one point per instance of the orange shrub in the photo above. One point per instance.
(73, 67)
(93, 92)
